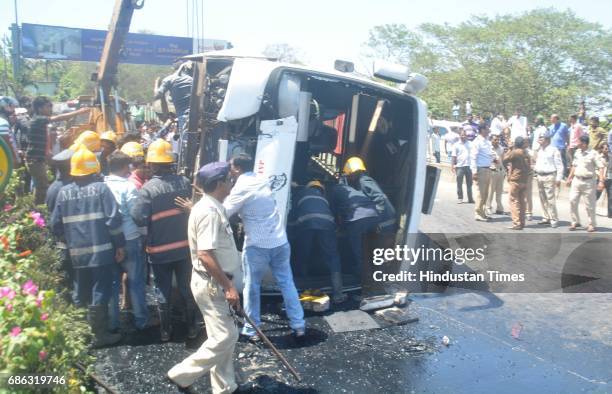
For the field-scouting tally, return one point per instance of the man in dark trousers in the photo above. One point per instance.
(86, 216)
(315, 229)
(167, 244)
(519, 163)
(356, 213)
(63, 178)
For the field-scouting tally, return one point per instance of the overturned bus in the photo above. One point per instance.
(302, 124)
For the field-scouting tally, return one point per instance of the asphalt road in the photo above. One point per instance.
(546, 342)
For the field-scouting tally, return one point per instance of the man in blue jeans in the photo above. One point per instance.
(265, 244)
(125, 194)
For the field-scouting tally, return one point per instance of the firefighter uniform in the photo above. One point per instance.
(315, 229)
(87, 217)
(357, 214)
(386, 212)
(586, 165)
(167, 244)
(210, 230)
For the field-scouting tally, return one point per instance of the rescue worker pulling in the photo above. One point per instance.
(167, 244)
(108, 144)
(315, 229)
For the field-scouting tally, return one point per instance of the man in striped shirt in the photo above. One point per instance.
(39, 145)
(265, 244)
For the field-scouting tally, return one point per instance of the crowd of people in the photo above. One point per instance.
(121, 216)
(487, 151)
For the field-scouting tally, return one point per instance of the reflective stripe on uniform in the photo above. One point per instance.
(83, 218)
(116, 231)
(167, 247)
(165, 214)
(309, 197)
(91, 249)
(309, 216)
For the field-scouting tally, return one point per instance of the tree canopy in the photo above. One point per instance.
(542, 61)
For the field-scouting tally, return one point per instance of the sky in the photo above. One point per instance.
(322, 30)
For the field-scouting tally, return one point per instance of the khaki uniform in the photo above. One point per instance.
(521, 166)
(529, 188)
(586, 165)
(549, 171)
(497, 181)
(209, 230)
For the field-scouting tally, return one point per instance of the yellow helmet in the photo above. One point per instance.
(84, 162)
(160, 151)
(90, 139)
(109, 136)
(353, 165)
(133, 149)
(315, 183)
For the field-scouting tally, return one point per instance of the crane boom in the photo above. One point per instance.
(117, 32)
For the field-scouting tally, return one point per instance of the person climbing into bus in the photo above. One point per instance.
(355, 171)
(315, 233)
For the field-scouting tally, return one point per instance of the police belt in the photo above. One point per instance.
(546, 173)
(585, 178)
(206, 275)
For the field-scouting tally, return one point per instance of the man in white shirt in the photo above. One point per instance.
(498, 125)
(539, 131)
(481, 158)
(518, 126)
(460, 165)
(450, 139)
(497, 177)
(468, 107)
(435, 143)
(265, 244)
(549, 171)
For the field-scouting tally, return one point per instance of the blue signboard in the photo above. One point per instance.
(64, 43)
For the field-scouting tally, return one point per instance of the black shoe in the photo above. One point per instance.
(500, 212)
(471, 202)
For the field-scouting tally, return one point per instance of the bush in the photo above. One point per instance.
(40, 333)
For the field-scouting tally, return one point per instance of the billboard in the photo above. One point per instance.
(65, 43)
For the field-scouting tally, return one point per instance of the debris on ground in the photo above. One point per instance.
(376, 302)
(445, 340)
(516, 330)
(396, 315)
(315, 300)
(351, 321)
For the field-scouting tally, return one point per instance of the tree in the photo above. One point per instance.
(541, 61)
(284, 53)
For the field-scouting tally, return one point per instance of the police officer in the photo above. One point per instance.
(86, 216)
(167, 243)
(215, 283)
(586, 167)
(315, 229)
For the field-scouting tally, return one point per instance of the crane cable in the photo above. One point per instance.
(195, 23)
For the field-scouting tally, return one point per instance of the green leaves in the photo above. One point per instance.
(542, 61)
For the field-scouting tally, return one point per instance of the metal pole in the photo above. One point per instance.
(16, 37)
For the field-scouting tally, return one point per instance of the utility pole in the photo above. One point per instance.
(16, 50)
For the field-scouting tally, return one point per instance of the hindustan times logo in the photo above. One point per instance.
(458, 256)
